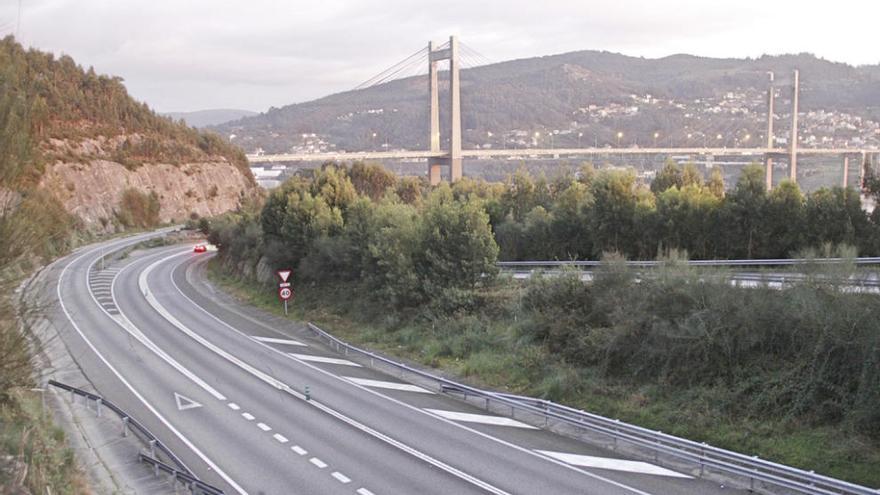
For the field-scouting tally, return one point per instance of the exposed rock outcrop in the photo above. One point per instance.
(92, 190)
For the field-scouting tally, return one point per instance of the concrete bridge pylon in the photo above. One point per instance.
(454, 158)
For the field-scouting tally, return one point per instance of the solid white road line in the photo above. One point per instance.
(247, 416)
(364, 491)
(299, 450)
(233, 406)
(480, 418)
(318, 463)
(235, 486)
(273, 340)
(613, 464)
(389, 385)
(341, 477)
(135, 332)
(264, 427)
(322, 359)
(281, 438)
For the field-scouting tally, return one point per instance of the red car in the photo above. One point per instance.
(200, 248)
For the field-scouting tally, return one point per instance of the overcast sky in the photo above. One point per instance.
(181, 55)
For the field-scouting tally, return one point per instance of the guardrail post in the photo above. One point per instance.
(702, 458)
(125, 426)
(655, 446)
(72, 397)
(98, 403)
(153, 448)
(155, 469)
(487, 403)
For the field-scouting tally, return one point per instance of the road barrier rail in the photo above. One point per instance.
(718, 263)
(702, 456)
(180, 473)
(195, 485)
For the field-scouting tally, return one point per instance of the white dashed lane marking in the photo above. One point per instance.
(480, 418)
(299, 450)
(364, 491)
(264, 426)
(318, 463)
(247, 416)
(341, 477)
(389, 385)
(612, 464)
(272, 340)
(281, 438)
(322, 359)
(233, 406)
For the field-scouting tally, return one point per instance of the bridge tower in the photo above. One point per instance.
(453, 159)
(794, 127)
(768, 172)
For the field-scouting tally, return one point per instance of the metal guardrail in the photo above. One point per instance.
(720, 263)
(195, 485)
(181, 473)
(701, 455)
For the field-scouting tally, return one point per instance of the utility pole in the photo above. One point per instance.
(771, 95)
(794, 128)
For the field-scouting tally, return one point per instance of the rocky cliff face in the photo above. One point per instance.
(92, 190)
(88, 181)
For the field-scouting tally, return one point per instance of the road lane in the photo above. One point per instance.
(231, 405)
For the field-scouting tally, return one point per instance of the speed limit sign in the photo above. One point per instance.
(285, 293)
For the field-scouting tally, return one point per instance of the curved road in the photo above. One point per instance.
(223, 387)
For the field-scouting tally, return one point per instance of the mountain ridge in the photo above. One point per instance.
(531, 94)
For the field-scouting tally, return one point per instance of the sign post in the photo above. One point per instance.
(285, 291)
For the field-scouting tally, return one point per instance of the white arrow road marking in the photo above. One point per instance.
(389, 385)
(613, 464)
(480, 418)
(272, 340)
(322, 359)
(184, 402)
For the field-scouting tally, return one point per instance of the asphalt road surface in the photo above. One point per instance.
(225, 391)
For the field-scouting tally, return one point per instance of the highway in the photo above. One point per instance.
(223, 386)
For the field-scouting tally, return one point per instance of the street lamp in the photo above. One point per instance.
(619, 135)
(373, 142)
(580, 135)
(656, 135)
(537, 136)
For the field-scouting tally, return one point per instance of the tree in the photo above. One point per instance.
(371, 180)
(612, 212)
(669, 176)
(456, 244)
(742, 216)
(716, 183)
(784, 221)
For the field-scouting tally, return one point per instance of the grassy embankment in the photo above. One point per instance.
(491, 346)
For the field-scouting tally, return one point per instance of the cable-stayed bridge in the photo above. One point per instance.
(457, 53)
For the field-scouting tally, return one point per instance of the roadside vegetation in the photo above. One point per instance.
(792, 375)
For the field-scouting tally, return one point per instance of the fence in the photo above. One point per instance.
(180, 473)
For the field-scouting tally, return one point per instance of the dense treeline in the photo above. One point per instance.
(338, 217)
(56, 98)
(610, 211)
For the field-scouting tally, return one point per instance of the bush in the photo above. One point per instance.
(137, 209)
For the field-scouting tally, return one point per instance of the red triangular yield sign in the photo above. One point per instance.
(284, 274)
